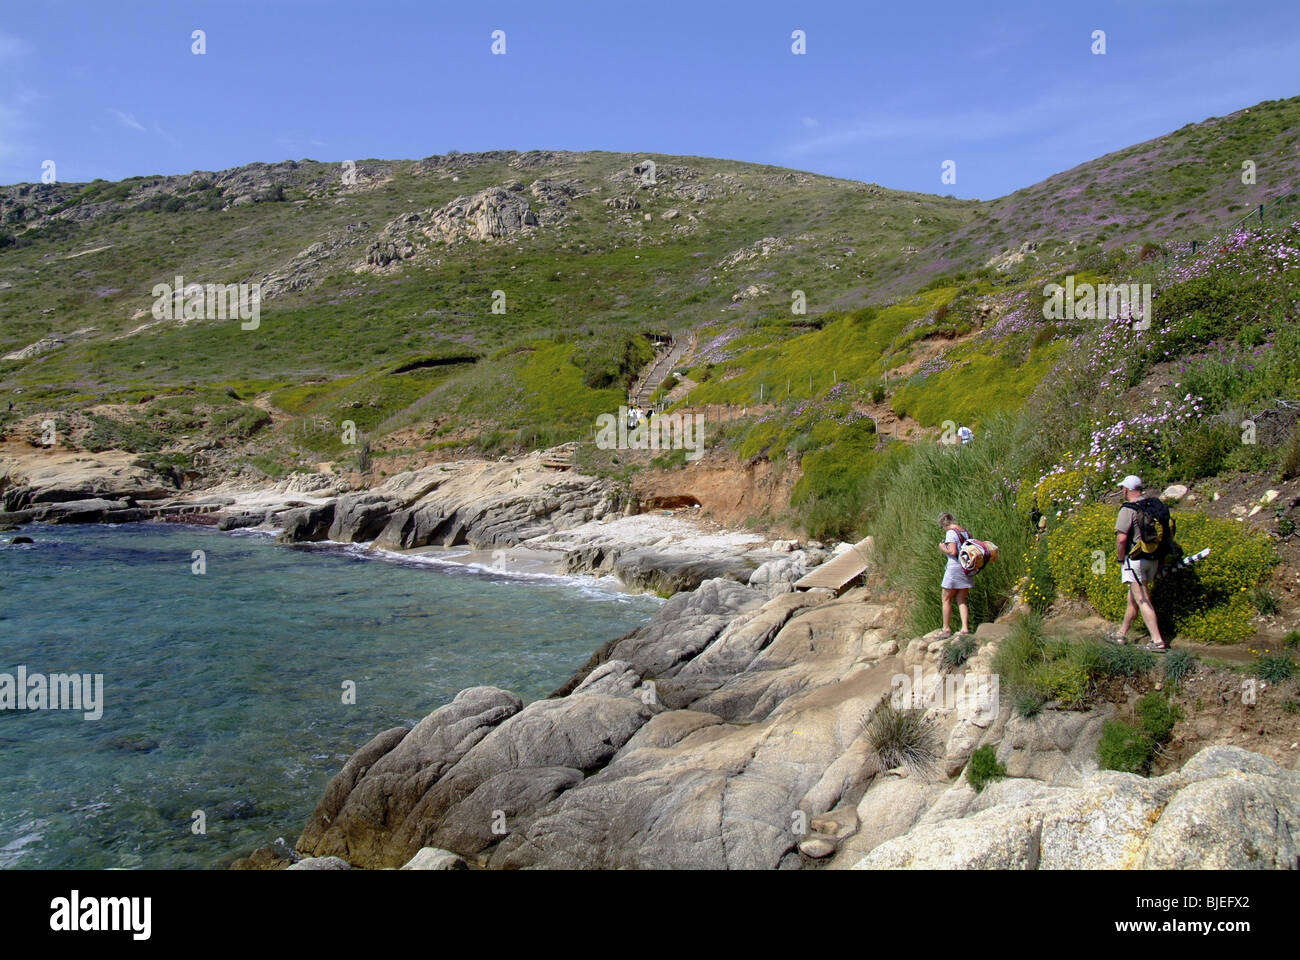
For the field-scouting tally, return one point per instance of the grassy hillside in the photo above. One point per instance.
(501, 301)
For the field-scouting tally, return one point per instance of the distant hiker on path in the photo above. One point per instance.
(1140, 530)
(966, 434)
(956, 581)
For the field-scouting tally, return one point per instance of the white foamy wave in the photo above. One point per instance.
(29, 832)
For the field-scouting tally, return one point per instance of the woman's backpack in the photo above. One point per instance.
(972, 554)
(975, 555)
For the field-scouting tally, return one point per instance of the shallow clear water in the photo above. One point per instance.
(224, 692)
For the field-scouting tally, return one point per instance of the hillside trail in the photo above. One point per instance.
(658, 370)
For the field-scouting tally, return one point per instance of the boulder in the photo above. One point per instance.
(307, 524)
(1225, 809)
(668, 573)
(320, 863)
(433, 858)
(239, 521)
(383, 782)
(361, 516)
(94, 510)
(778, 576)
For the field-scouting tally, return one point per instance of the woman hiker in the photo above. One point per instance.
(956, 581)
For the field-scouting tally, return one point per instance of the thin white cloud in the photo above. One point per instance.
(964, 126)
(165, 135)
(11, 48)
(128, 120)
(808, 122)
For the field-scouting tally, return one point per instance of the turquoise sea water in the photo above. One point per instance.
(223, 692)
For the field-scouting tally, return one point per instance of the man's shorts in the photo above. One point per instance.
(1139, 571)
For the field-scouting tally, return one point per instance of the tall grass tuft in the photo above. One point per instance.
(903, 738)
(973, 482)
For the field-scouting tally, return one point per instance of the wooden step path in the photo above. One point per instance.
(559, 458)
(840, 573)
(659, 370)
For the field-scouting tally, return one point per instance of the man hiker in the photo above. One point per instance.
(966, 434)
(1137, 572)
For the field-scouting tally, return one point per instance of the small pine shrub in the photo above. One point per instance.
(1063, 680)
(984, 768)
(1275, 668)
(1125, 748)
(958, 651)
(1292, 638)
(1128, 660)
(1158, 715)
(1091, 656)
(902, 738)
(1021, 652)
(1265, 600)
(1179, 664)
(1028, 703)
(1290, 456)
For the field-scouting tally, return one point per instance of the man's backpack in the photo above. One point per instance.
(1153, 530)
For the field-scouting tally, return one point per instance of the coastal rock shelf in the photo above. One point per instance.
(732, 731)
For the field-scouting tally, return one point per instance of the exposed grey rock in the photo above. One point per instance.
(433, 858)
(490, 214)
(320, 863)
(817, 847)
(94, 510)
(685, 625)
(669, 573)
(379, 787)
(1056, 746)
(238, 521)
(745, 635)
(497, 805)
(307, 524)
(1226, 809)
(778, 576)
(492, 504)
(361, 516)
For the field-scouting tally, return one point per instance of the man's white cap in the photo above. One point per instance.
(1131, 482)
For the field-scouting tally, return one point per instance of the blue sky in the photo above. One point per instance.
(886, 92)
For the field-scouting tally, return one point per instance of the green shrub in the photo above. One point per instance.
(1064, 681)
(1028, 703)
(1274, 668)
(958, 651)
(1292, 638)
(1158, 715)
(1040, 587)
(1021, 650)
(1289, 458)
(1204, 451)
(1178, 665)
(1210, 602)
(984, 768)
(1127, 660)
(1264, 599)
(1125, 748)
